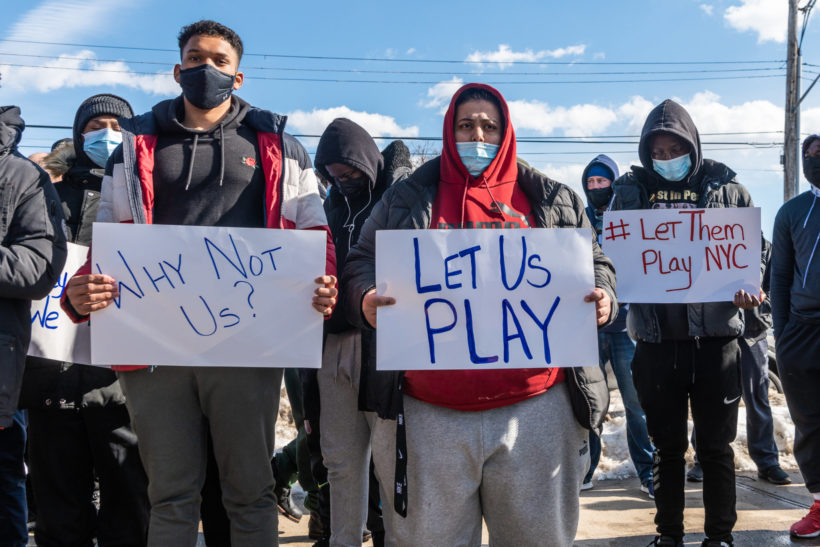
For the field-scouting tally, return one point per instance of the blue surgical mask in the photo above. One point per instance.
(476, 156)
(675, 169)
(100, 144)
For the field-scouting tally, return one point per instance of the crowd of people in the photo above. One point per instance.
(405, 457)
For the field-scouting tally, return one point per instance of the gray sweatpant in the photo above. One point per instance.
(170, 408)
(519, 466)
(345, 437)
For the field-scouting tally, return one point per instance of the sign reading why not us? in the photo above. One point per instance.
(195, 295)
(665, 256)
(485, 299)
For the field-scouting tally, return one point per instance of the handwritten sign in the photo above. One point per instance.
(666, 256)
(53, 334)
(485, 299)
(198, 296)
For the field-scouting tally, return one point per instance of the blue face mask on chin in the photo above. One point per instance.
(476, 156)
(675, 169)
(100, 144)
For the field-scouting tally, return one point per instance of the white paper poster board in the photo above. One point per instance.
(666, 256)
(53, 334)
(485, 299)
(194, 295)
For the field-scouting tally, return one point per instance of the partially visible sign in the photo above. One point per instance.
(666, 256)
(53, 334)
(485, 299)
(199, 296)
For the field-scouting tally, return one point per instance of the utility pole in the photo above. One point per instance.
(791, 140)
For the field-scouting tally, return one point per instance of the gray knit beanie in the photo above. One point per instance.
(98, 105)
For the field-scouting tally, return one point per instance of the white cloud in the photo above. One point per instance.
(505, 56)
(567, 174)
(70, 21)
(708, 9)
(711, 116)
(440, 94)
(577, 120)
(317, 120)
(410, 51)
(768, 18)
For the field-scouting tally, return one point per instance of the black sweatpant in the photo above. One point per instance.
(798, 361)
(668, 377)
(67, 448)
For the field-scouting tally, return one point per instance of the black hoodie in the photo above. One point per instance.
(207, 178)
(347, 143)
(708, 184)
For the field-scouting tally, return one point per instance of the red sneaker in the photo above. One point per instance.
(808, 526)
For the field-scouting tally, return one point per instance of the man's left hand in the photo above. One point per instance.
(747, 301)
(603, 304)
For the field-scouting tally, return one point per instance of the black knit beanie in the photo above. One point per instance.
(98, 105)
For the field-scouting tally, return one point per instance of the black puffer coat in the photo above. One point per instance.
(32, 253)
(408, 205)
(50, 384)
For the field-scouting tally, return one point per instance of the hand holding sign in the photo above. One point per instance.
(603, 305)
(371, 303)
(324, 297)
(88, 293)
(747, 301)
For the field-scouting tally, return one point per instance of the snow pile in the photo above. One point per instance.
(285, 428)
(615, 462)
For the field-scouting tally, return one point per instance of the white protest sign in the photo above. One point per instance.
(666, 256)
(485, 299)
(198, 296)
(53, 334)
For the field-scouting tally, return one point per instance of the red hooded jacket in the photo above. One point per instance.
(491, 200)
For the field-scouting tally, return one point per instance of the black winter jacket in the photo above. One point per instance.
(51, 384)
(408, 205)
(32, 253)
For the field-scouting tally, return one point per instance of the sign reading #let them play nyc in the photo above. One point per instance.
(666, 256)
(485, 299)
(195, 295)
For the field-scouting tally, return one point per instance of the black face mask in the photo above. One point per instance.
(599, 197)
(206, 87)
(352, 187)
(811, 170)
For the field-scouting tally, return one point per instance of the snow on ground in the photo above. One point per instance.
(616, 464)
(285, 429)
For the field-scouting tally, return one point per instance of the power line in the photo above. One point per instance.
(410, 82)
(426, 72)
(396, 60)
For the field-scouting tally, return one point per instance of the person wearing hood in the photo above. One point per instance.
(206, 158)
(795, 288)
(442, 437)
(686, 353)
(79, 429)
(360, 174)
(614, 344)
(32, 256)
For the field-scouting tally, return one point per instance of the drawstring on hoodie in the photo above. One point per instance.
(191, 163)
(221, 157)
(816, 192)
(351, 225)
(464, 201)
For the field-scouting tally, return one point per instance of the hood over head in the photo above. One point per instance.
(11, 128)
(346, 142)
(503, 168)
(601, 159)
(670, 117)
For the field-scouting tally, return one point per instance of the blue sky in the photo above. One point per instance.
(557, 41)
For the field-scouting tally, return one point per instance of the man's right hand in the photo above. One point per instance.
(371, 302)
(88, 293)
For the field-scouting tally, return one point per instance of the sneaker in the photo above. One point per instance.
(666, 541)
(648, 488)
(716, 543)
(774, 475)
(808, 526)
(367, 535)
(587, 486)
(285, 504)
(695, 474)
